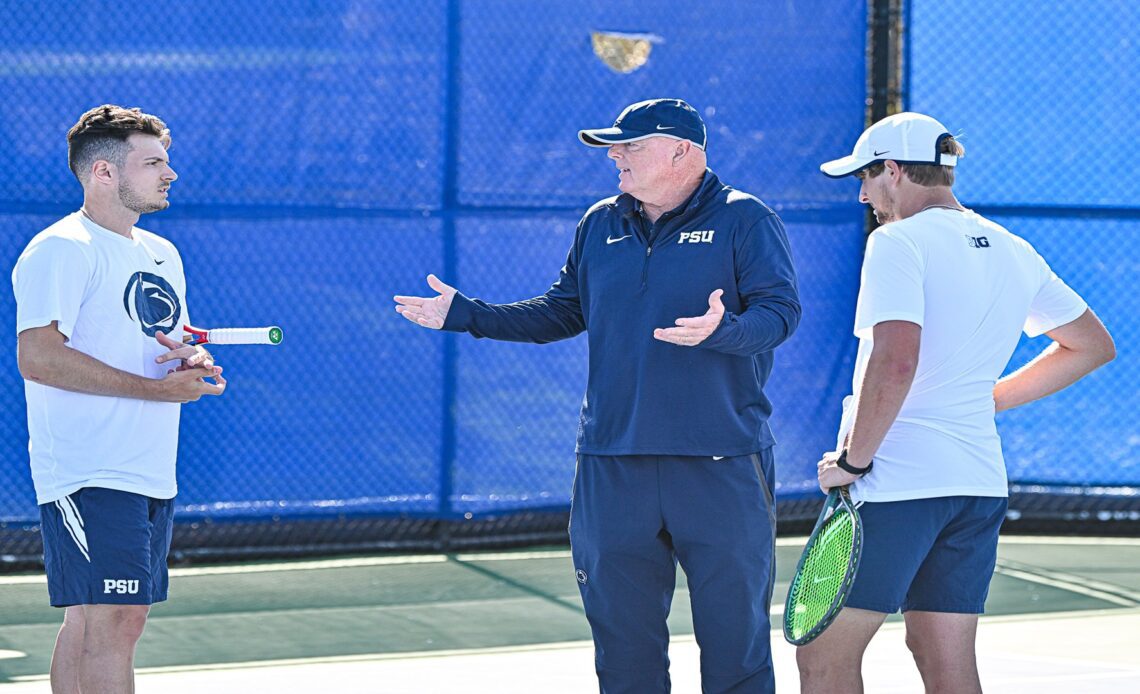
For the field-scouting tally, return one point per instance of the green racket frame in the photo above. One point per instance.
(838, 501)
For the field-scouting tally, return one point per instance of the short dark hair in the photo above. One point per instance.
(102, 133)
(929, 175)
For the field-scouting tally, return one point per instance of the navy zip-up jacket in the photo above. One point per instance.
(623, 278)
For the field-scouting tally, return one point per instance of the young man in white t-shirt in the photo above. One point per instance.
(96, 302)
(944, 297)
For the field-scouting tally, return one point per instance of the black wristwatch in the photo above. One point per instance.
(861, 471)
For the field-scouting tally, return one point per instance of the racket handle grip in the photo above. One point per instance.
(246, 336)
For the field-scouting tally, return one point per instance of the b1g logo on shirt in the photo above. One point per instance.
(151, 301)
(705, 236)
(120, 586)
(977, 241)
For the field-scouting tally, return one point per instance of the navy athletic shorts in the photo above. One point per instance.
(931, 555)
(106, 547)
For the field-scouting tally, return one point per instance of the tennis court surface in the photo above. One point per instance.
(1063, 615)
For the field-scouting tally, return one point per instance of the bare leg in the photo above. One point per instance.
(943, 648)
(833, 663)
(109, 647)
(68, 651)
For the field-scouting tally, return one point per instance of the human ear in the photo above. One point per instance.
(102, 171)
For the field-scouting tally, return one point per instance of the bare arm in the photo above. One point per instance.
(45, 358)
(890, 372)
(1078, 348)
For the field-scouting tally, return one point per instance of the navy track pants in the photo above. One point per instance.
(632, 519)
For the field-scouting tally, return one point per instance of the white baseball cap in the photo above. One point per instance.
(908, 138)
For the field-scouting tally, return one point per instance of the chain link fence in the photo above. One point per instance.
(1051, 126)
(332, 154)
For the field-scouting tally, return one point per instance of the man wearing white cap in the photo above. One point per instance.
(944, 297)
(685, 287)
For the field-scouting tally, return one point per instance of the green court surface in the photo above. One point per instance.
(339, 613)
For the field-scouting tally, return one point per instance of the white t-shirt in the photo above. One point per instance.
(110, 295)
(973, 287)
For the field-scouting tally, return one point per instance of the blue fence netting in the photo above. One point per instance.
(332, 154)
(1052, 134)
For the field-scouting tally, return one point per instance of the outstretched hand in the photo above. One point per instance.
(693, 331)
(430, 313)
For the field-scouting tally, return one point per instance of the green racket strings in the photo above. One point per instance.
(822, 577)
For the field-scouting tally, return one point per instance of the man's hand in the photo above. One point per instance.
(693, 331)
(192, 356)
(430, 313)
(185, 383)
(829, 473)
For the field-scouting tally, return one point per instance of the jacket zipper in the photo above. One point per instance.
(648, 252)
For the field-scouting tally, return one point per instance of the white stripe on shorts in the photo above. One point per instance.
(76, 510)
(74, 524)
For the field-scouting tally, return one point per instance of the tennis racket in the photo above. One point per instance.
(232, 336)
(826, 570)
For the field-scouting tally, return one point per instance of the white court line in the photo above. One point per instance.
(515, 556)
(323, 564)
(1047, 616)
(1053, 659)
(1119, 669)
(368, 657)
(364, 658)
(1074, 584)
(1065, 540)
(570, 599)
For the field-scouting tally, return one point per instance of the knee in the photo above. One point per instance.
(132, 622)
(122, 625)
(918, 649)
(812, 663)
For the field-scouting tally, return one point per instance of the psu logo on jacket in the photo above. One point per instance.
(705, 236)
(120, 586)
(151, 301)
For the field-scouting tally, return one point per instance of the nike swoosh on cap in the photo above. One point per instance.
(665, 127)
(883, 152)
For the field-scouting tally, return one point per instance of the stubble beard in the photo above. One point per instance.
(133, 201)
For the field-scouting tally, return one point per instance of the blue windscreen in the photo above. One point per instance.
(332, 154)
(1051, 127)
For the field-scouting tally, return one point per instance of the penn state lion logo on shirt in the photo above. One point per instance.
(150, 300)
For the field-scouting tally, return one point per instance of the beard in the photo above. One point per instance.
(887, 210)
(136, 202)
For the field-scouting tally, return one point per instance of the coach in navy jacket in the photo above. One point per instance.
(684, 287)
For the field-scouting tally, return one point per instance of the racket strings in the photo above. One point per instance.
(823, 575)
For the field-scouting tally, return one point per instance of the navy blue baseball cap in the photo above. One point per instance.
(656, 117)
